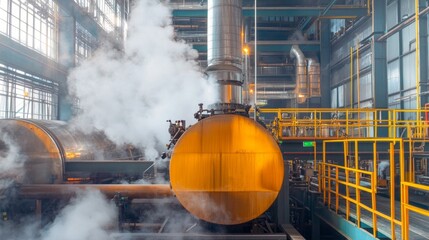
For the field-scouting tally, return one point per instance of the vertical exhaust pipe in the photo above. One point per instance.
(224, 52)
(314, 77)
(301, 89)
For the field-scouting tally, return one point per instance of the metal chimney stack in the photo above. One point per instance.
(224, 52)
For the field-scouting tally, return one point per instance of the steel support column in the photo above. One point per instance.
(315, 220)
(379, 63)
(423, 54)
(325, 60)
(283, 212)
(66, 53)
(401, 63)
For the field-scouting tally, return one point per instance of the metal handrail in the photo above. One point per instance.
(330, 178)
(323, 123)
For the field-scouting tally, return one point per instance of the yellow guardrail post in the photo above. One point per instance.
(406, 183)
(357, 185)
(329, 186)
(324, 172)
(337, 199)
(374, 189)
(347, 181)
(404, 230)
(392, 188)
(315, 155)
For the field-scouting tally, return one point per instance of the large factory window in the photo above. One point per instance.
(107, 13)
(31, 23)
(85, 43)
(23, 95)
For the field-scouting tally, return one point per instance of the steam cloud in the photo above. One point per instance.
(11, 161)
(88, 216)
(131, 94)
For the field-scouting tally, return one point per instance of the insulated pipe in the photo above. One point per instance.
(301, 89)
(314, 77)
(224, 50)
(52, 191)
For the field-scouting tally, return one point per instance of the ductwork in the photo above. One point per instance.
(266, 95)
(301, 89)
(314, 77)
(224, 50)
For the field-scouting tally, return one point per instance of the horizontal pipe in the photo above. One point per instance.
(276, 85)
(134, 236)
(285, 42)
(52, 191)
(276, 65)
(109, 166)
(276, 95)
(402, 25)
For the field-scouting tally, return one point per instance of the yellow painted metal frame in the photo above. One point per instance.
(354, 123)
(407, 174)
(330, 176)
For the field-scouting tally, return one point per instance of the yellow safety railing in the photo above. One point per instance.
(323, 123)
(408, 182)
(339, 181)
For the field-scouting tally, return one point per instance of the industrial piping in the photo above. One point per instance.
(301, 89)
(224, 52)
(314, 77)
(52, 191)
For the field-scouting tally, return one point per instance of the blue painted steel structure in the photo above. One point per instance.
(346, 228)
(379, 63)
(325, 59)
(423, 23)
(273, 46)
(31, 61)
(334, 12)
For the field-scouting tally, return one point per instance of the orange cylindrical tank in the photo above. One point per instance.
(226, 169)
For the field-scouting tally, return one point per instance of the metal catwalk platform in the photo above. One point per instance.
(419, 224)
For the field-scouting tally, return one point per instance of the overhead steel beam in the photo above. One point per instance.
(25, 59)
(308, 21)
(334, 12)
(88, 22)
(273, 46)
(72, 8)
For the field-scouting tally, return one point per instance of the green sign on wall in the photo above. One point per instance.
(308, 144)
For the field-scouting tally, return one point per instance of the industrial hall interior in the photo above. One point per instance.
(214, 119)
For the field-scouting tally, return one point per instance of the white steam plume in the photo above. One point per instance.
(88, 216)
(11, 160)
(131, 94)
